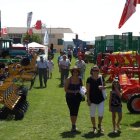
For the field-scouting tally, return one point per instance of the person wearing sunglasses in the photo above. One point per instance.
(95, 97)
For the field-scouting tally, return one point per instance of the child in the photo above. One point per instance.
(50, 67)
(115, 105)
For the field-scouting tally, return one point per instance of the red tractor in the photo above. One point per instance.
(130, 92)
(131, 88)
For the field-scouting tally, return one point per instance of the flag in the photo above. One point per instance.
(0, 23)
(138, 1)
(46, 38)
(29, 19)
(38, 25)
(129, 9)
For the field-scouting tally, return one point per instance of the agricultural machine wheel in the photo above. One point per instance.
(22, 105)
(133, 104)
(4, 112)
(23, 92)
(25, 61)
(2, 65)
(19, 114)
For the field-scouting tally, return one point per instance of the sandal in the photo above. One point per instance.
(114, 131)
(100, 129)
(94, 130)
(74, 129)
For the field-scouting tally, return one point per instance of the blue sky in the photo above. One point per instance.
(88, 18)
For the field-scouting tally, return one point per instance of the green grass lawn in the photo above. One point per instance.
(48, 118)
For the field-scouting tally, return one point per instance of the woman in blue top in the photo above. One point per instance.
(73, 97)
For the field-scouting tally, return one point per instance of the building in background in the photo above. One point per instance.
(56, 35)
(114, 43)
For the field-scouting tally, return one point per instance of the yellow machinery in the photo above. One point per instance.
(9, 94)
(13, 96)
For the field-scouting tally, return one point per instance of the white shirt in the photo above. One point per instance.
(64, 64)
(50, 64)
(81, 64)
(42, 64)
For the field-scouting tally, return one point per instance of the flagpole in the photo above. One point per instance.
(50, 36)
(0, 23)
(139, 43)
(41, 35)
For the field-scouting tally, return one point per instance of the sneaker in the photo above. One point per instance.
(100, 129)
(114, 131)
(73, 129)
(94, 130)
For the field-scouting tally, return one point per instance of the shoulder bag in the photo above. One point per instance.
(103, 90)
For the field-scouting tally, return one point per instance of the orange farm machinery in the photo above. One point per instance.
(125, 66)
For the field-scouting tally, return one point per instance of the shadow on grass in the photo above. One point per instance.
(113, 135)
(38, 87)
(136, 124)
(134, 113)
(92, 135)
(61, 86)
(69, 134)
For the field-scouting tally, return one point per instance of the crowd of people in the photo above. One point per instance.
(95, 84)
(95, 99)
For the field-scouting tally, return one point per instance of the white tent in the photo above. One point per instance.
(18, 45)
(37, 46)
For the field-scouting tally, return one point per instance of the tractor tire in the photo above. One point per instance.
(4, 112)
(19, 114)
(2, 65)
(22, 105)
(25, 61)
(133, 104)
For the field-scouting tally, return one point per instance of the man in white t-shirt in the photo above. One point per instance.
(42, 71)
(64, 65)
(81, 65)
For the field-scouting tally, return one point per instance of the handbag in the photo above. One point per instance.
(103, 90)
(83, 91)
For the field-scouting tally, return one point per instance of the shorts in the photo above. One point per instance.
(116, 109)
